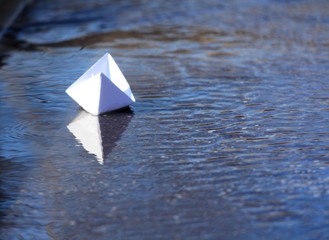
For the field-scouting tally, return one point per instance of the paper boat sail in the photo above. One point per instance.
(102, 88)
(99, 134)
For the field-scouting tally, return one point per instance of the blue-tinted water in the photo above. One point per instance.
(228, 139)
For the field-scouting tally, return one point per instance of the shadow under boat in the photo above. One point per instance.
(99, 134)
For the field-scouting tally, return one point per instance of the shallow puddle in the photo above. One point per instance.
(228, 139)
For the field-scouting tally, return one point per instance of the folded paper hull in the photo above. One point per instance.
(102, 88)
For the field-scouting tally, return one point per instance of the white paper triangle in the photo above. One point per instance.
(102, 88)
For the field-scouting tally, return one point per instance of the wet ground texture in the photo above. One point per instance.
(228, 139)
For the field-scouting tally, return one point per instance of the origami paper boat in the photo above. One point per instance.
(99, 134)
(102, 88)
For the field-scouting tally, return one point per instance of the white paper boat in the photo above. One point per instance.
(99, 134)
(102, 88)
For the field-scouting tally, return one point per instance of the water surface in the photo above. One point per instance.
(228, 138)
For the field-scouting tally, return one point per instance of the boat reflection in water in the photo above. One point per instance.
(99, 134)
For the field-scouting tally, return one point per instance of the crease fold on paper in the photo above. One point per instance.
(102, 88)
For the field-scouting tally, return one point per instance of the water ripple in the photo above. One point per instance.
(229, 137)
